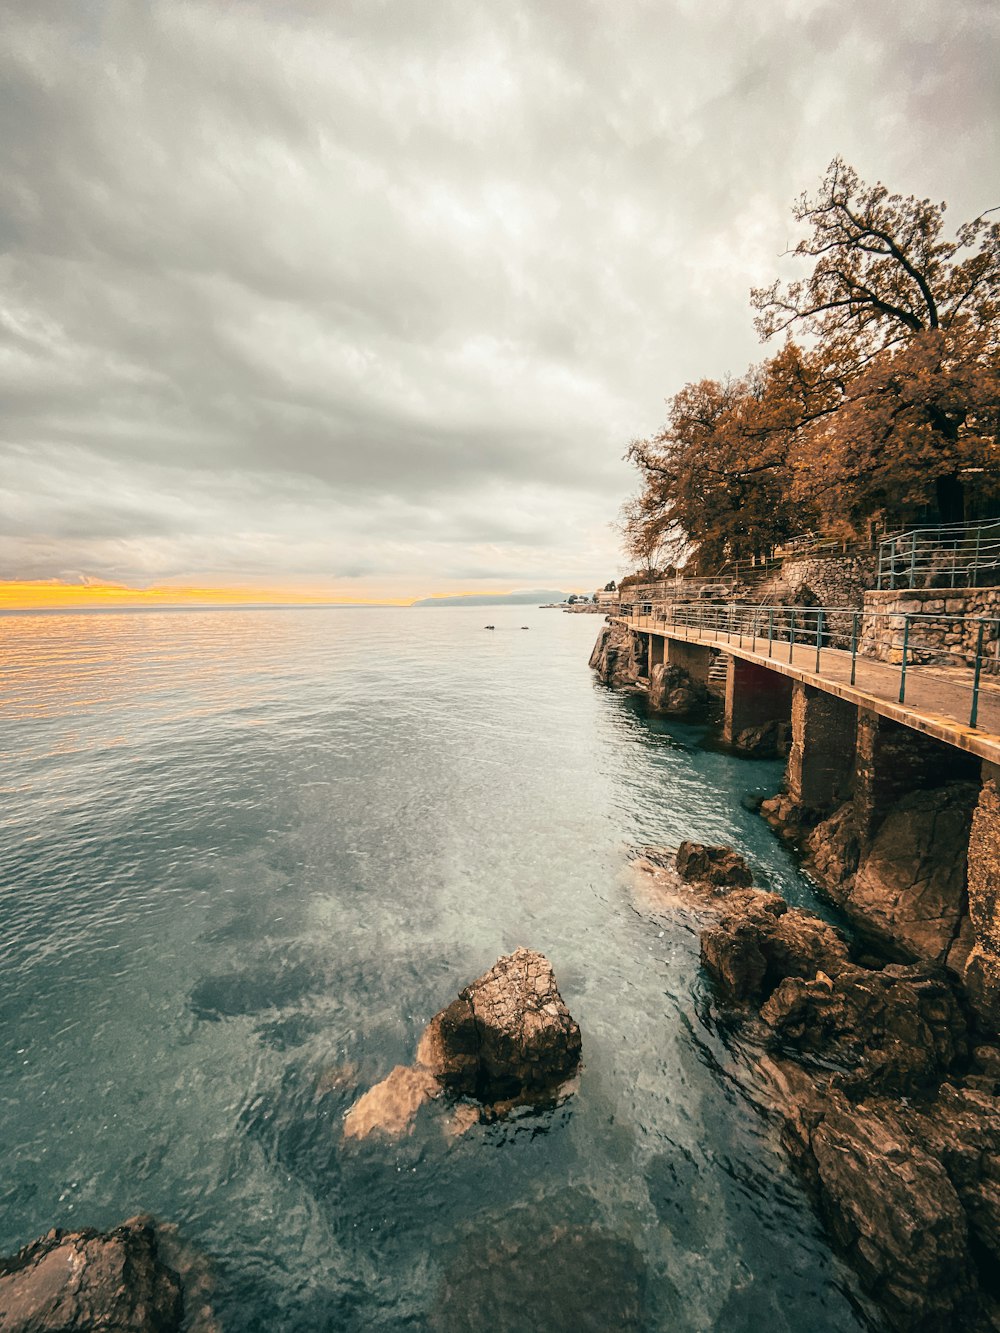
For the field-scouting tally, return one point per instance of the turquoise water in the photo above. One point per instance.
(243, 849)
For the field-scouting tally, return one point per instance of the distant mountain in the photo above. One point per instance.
(533, 596)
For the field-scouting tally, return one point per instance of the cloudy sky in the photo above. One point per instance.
(368, 299)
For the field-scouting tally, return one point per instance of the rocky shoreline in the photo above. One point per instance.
(875, 1054)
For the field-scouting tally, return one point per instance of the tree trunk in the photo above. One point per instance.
(950, 499)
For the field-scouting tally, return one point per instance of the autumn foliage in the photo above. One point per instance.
(886, 408)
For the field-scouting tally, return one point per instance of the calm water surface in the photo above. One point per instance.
(243, 849)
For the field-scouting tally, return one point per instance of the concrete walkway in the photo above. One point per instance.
(938, 699)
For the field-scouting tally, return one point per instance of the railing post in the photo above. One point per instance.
(974, 714)
(770, 632)
(854, 646)
(913, 558)
(819, 637)
(906, 644)
(791, 636)
(975, 562)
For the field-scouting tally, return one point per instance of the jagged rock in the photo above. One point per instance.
(833, 849)
(86, 1280)
(790, 821)
(507, 1040)
(897, 1030)
(770, 740)
(760, 941)
(508, 1036)
(672, 690)
(910, 886)
(891, 1209)
(614, 656)
(712, 865)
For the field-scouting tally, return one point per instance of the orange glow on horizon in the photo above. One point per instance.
(49, 594)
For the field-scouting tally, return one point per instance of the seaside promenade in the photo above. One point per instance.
(937, 699)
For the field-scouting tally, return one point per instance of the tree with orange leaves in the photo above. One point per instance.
(892, 406)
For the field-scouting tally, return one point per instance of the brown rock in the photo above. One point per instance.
(508, 1036)
(87, 1280)
(713, 865)
(616, 655)
(833, 848)
(770, 740)
(672, 690)
(897, 1030)
(391, 1107)
(910, 887)
(760, 941)
(893, 1210)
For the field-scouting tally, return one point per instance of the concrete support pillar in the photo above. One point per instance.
(694, 658)
(982, 968)
(755, 695)
(893, 760)
(657, 649)
(821, 759)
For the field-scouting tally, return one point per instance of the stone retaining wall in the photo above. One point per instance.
(939, 641)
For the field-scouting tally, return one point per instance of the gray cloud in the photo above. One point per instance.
(311, 293)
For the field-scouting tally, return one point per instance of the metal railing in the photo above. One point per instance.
(967, 646)
(955, 555)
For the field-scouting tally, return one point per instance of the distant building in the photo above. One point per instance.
(603, 598)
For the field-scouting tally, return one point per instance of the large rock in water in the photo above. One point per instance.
(701, 864)
(87, 1280)
(508, 1036)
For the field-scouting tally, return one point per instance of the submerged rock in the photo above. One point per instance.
(86, 1280)
(507, 1040)
(571, 1277)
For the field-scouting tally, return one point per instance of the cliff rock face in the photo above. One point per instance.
(890, 1120)
(615, 655)
(982, 968)
(910, 885)
(85, 1280)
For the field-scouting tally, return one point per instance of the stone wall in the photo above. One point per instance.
(939, 640)
(822, 581)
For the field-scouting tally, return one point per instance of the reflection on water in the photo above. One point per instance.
(247, 855)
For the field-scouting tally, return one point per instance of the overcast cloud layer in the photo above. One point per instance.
(372, 297)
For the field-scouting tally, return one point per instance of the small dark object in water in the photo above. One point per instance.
(489, 627)
(526, 627)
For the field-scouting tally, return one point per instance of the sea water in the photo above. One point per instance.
(245, 855)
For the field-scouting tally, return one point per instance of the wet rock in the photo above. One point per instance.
(508, 1035)
(897, 1030)
(508, 1040)
(760, 941)
(712, 865)
(390, 1107)
(672, 690)
(790, 821)
(86, 1280)
(892, 1210)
